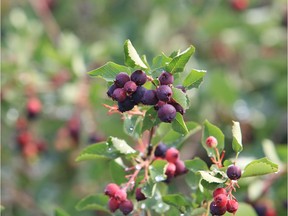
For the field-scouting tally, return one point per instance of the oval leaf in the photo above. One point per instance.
(60, 212)
(179, 125)
(148, 189)
(151, 119)
(237, 137)
(157, 170)
(93, 202)
(194, 79)
(177, 201)
(132, 58)
(180, 97)
(121, 146)
(210, 178)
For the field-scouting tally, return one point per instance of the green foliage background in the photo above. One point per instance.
(244, 53)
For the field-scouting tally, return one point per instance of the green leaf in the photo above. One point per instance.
(161, 61)
(198, 212)
(109, 71)
(132, 126)
(121, 146)
(207, 176)
(212, 130)
(178, 62)
(151, 119)
(196, 164)
(93, 202)
(60, 212)
(180, 97)
(179, 125)
(177, 201)
(237, 137)
(132, 58)
(192, 179)
(259, 167)
(194, 79)
(149, 188)
(117, 171)
(157, 170)
(244, 209)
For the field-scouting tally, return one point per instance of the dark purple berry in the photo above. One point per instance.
(160, 150)
(126, 207)
(178, 107)
(166, 78)
(139, 195)
(159, 104)
(126, 105)
(149, 97)
(138, 94)
(130, 87)
(119, 95)
(111, 90)
(167, 113)
(139, 77)
(217, 210)
(182, 88)
(121, 79)
(164, 93)
(233, 172)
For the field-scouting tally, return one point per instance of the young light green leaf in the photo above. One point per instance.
(157, 170)
(178, 62)
(60, 212)
(212, 130)
(93, 202)
(149, 188)
(237, 137)
(194, 79)
(121, 146)
(109, 71)
(176, 200)
(179, 125)
(151, 119)
(132, 58)
(180, 97)
(206, 175)
(259, 167)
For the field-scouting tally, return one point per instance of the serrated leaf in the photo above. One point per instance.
(209, 186)
(198, 212)
(132, 58)
(237, 137)
(117, 171)
(121, 146)
(178, 62)
(157, 170)
(210, 178)
(177, 201)
(60, 212)
(179, 125)
(160, 61)
(149, 188)
(196, 164)
(93, 202)
(194, 79)
(151, 119)
(109, 71)
(259, 167)
(212, 130)
(180, 97)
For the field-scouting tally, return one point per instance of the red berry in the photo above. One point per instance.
(220, 200)
(232, 206)
(219, 191)
(211, 142)
(126, 207)
(217, 210)
(170, 171)
(24, 137)
(120, 195)
(180, 167)
(239, 5)
(233, 172)
(113, 204)
(139, 195)
(172, 154)
(130, 87)
(111, 189)
(34, 107)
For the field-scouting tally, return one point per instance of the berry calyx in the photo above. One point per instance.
(211, 142)
(220, 200)
(113, 204)
(217, 210)
(119, 94)
(120, 195)
(172, 155)
(166, 78)
(218, 191)
(232, 206)
(233, 172)
(130, 87)
(160, 150)
(121, 79)
(167, 113)
(164, 93)
(126, 207)
(111, 189)
(139, 77)
(139, 195)
(149, 97)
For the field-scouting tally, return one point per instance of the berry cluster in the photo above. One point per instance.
(128, 92)
(118, 199)
(222, 202)
(171, 155)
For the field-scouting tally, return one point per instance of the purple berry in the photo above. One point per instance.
(139, 195)
(164, 93)
(139, 77)
(233, 172)
(121, 79)
(166, 78)
(167, 113)
(130, 87)
(119, 95)
(138, 94)
(217, 210)
(159, 104)
(149, 97)
(113, 204)
(126, 207)
(111, 90)
(160, 150)
(126, 105)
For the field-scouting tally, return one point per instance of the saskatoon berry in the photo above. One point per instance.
(159, 104)
(120, 195)
(167, 113)
(234, 172)
(239, 5)
(119, 95)
(180, 167)
(178, 107)
(170, 171)
(111, 189)
(160, 150)
(139, 77)
(111, 90)
(211, 142)
(130, 87)
(138, 94)
(113, 204)
(166, 78)
(121, 79)
(33, 107)
(220, 200)
(164, 93)
(219, 191)
(232, 206)
(172, 155)
(149, 97)
(126, 105)
(182, 88)
(139, 195)
(217, 210)
(126, 207)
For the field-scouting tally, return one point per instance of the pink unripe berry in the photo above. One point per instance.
(211, 142)
(170, 171)
(121, 195)
(232, 206)
(111, 189)
(219, 191)
(113, 204)
(172, 154)
(180, 167)
(220, 200)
